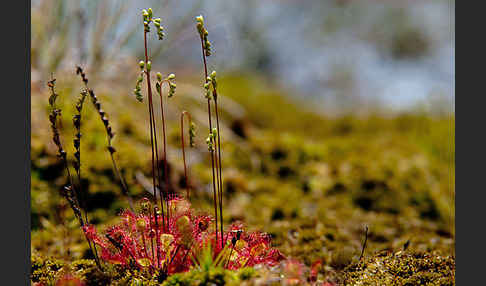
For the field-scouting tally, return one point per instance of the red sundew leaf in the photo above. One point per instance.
(114, 258)
(91, 234)
(314, 270)
(274, 257)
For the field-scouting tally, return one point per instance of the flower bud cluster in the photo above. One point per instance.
(147, 16)
(211, 139)
(203, 33)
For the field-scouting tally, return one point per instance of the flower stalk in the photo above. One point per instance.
(214, 138)
(109, 134)
(158, 87)
(192, 135)
(69, 191)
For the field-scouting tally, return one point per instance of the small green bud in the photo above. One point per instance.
(200, 19)
(150, 13)
(141, 64)
(159, 76)
(207, 85)
(192, 134)
(171, 76)
(138, 96)
(213, 79)
(210, 143)
(208, 94)
(145, 13)
(214, 132)
(172, 87)
(149, 65)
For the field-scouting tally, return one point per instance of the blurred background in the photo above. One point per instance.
(344, 108)
(350, 56)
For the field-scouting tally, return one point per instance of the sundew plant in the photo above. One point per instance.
(162, 235)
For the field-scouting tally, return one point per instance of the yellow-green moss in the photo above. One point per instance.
(402, 268)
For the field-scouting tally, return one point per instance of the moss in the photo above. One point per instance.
(246, 273)
(87, 269)
(342, 257)
(402, 268)
(44, 271)
(49, 270)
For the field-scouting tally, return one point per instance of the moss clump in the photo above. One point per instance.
(246, 273)
(402, 268)
(44, 271)
(212, 276)
(49, 271)
(87, 270)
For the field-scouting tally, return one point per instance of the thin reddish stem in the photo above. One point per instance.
(153, 135)
(211, 152)
(183, 151)
(166, 172)
(220, 177)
